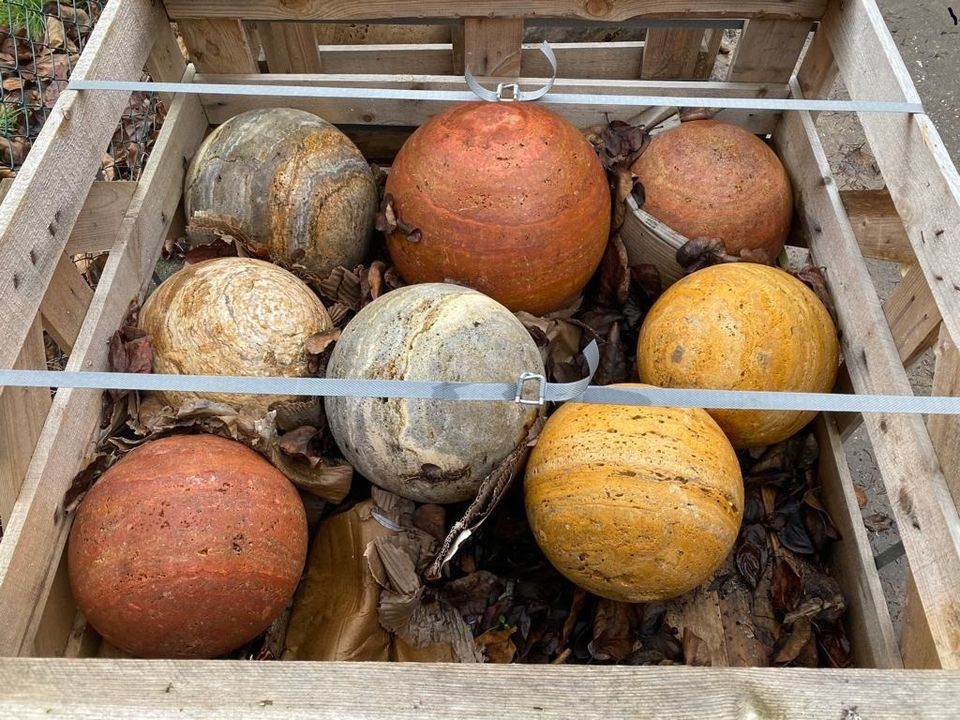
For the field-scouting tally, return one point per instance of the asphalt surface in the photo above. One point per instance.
(929, 42)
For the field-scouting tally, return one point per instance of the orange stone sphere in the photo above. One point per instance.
(510, 199)
(712, 179)
(188, 547)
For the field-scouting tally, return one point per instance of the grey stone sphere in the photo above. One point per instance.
(433, 331)
(295, 186)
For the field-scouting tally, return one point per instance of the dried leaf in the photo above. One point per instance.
(217, 249)
(299, 444)
(695, 650)
(835, 646)
(319, 343)
(689, 114)
(812, 277)
(613, 624)
(295, 414)
(878, 522)
(793, 645)
(432, 519)
(785, 588)
(473, 593)
(861, 496)
(751, 557)
(614, 272)
(498, 645)
(701, 252)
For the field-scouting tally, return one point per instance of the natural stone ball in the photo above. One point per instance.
(712, 179)
(509, 198)
(431, 332)
(296, 187)
(188, 547)
(634, 503)
(232, 316)
(741, 326)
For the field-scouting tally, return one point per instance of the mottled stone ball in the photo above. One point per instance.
(296, 187)
(232, 316)
(431, 450)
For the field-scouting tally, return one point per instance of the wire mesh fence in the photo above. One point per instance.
(40, 44)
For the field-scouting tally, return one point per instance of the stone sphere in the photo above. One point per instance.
(510, 199)
(712, 179)
(232, 316)
(296, 187)
(433, 331)
(634, 503)
(741, 326)
(188, 547)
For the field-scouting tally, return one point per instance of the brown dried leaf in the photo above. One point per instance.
(297, 413)
(613, 630)
(614, 287)
(702, 252)
(299, 444)
(342, 286)
(432, 519)
(688, 114)
(785, 588)
(319, 343)
(695, 649)
(835, 644)
(878, 522)
(498, 646)
(217, 249)
(794, 643)
(473, 593)
(751, 556)
(812, 277)
(85, 480)
(861, 496)
(139, 355)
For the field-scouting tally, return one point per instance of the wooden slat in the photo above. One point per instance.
(919, 174)
(916, 643)
(398, 112)
(921, 503)
(607, 10)
(218, 45)
(913, 316)
(768, 50)
(43, 203)
(22, 414)
(65, 304)
(146, 690)
(869, 627)
(818, 71)
(671, 53)
(37, 530)
(712, 39)
(290, 47)
(878, 226)
(492, 46)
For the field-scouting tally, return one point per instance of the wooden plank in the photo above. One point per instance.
(869, 626)
(818, 70)
(22, 414)
(492, 45)
(878, 226)
(43, 203)
(591, 10)
(768, 50)
(99, 218)
(912, 314)
(290, 47)
(671, 53)
(405, 113)
(610, 60)
(37, 529)
(919, 174)
(915, 641)
(712, 39)
(920, 499)
(58, 618)
(102, 688)
(218, 45)
(65, 303)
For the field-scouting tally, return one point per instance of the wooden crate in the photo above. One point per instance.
(54, 208)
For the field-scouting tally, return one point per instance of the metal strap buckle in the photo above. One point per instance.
(514, 89)
(521, 386)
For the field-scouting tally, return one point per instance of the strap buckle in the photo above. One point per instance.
(514, 89)
(522, 384)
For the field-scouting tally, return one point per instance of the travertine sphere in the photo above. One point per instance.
(634, 503)
(509, 198)
(188, 547)
(431, 332)
(232, 316)
(298, 188)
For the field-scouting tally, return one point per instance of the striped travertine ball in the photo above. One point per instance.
(232, 316)
(433, 331)
(296, 187)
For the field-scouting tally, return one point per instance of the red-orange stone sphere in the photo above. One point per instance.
(188, 547)
(707, 178)
(509, 198)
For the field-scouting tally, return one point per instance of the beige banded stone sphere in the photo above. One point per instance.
(232, 316)
(433, 331)
(298, 189)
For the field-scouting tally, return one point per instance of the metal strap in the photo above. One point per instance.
(629, 101)
(518, 95)
(581, 391)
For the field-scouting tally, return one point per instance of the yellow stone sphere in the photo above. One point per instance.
(741, 326)
(634, 503)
